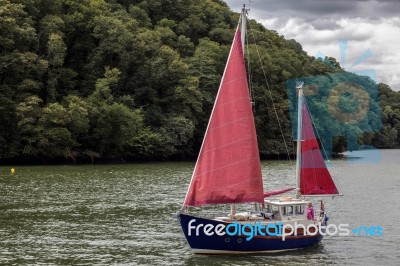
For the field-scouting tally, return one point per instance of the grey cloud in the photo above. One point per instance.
(316, 23)
(319, 25)
(293, 7)
(325, 24)
(312, 9)
(308, 7)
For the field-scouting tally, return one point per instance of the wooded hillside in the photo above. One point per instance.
(136, 80)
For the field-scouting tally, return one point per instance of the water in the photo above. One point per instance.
(121, 214)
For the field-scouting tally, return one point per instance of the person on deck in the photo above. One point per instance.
(310, 211)
(322, 208)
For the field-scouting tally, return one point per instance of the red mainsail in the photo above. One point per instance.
(228, 168)
(315, 178)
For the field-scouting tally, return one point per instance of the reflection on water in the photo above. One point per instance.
(123, 214)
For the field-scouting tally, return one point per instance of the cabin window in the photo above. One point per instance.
(299, 209)
(275, 209)
(287, 210)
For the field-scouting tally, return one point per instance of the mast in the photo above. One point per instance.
(242, 21)
(243, 29)
(243, 26)
(299, 87)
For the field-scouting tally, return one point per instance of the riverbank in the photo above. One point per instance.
(27, 161)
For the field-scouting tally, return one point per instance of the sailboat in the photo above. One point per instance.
(228, 171)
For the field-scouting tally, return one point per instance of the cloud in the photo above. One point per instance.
(325, 24)
(319, 8)
(319, 25)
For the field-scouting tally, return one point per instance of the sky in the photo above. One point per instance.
(360, 34)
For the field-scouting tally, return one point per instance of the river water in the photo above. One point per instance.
(122, 214)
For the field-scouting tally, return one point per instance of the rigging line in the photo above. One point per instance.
(270, 95)
(292, 146)
(316, 131)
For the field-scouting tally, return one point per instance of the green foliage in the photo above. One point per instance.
(389, 137)
(54, 137)
(177, 134)
(103, 87)
(28, 113)
(137, 79)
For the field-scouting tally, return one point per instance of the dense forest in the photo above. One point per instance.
(97, 80)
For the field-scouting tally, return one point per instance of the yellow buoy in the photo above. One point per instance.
(12, 171)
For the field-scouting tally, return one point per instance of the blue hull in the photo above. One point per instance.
(216, 244)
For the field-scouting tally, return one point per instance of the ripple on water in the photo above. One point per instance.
(123, 214)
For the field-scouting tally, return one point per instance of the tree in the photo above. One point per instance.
(177, 134)
(77, 111)
(28, 112)
(54, 137)
(56, 51)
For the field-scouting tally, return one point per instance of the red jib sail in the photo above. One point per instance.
(228, 168)
(315, 178)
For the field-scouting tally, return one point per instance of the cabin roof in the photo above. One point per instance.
(286, 201)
